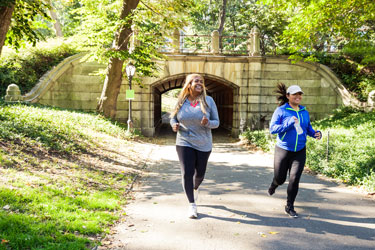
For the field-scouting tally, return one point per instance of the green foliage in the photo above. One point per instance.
(357, 78)
(318, 23)
(23, 26)
(27, 66)
(66, 11)
(52, 202)
(151, 21)
(258, 138)
(362, 52)
(351, 148)
(241, 17)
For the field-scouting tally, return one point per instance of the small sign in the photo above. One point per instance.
(129, 94)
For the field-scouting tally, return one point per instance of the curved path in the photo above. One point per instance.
(235, 211)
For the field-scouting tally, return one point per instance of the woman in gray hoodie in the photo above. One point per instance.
(193, 118)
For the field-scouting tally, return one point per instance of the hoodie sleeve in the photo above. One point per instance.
(214, 121)
(279, 123)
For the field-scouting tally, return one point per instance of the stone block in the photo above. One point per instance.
(89, 105)
(122, 114)
(276, 75)
(309, 100)
(60, 95)
(176, 67)
(308, 83)
(46, 96)
(255, 74)
(91, 68)
(291, 67)
(271, 67)
(243, 107)
(149, 132)
(92, 88)
(80, 96)
(312, 91)
(83, 79)
(215, 68)
(95, 96)
(269, 83)
(328, 100)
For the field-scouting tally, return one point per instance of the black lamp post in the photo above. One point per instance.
(130, 71)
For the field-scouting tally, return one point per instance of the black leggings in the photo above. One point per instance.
(292, 162)
(193, 168)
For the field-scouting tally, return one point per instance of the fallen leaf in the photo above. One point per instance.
(4, 241)
(238, 222)
(107, 242)
(273, 232)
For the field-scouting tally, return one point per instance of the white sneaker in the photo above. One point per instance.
(193, 211)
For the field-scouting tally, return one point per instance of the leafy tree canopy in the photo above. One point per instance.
(314, 24)
(152, 22)
(23, 25)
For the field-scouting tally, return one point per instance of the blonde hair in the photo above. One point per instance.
(186, 91)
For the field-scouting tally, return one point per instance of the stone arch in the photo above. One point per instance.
(224, 92)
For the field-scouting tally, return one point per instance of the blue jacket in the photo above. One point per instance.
(282, 124)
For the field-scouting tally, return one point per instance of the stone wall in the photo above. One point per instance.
(72, 84)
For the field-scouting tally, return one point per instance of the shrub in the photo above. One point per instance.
(350, 149)
(27, 66)
(258, 138)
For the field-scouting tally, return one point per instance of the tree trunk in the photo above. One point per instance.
(108, 100)
(5, 17)
(57, 24)
(222, 21)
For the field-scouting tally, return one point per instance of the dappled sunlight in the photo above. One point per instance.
(233, 207)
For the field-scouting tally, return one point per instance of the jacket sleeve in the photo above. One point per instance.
(214, 121)
(310, 131)
(280, 124)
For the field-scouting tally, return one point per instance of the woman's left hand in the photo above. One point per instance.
(204, 121)
(318, 135)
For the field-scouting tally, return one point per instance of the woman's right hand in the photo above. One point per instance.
(175, 127)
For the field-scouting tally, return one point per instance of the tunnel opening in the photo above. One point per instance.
(221, 91)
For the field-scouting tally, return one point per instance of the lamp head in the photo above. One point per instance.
(130, 70)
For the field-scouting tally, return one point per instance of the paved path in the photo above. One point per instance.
(235, 212)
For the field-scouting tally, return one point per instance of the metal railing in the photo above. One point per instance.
(203, 44)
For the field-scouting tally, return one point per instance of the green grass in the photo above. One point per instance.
(51, 197)
(351, 147)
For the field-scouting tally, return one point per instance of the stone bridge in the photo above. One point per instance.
(242, 86)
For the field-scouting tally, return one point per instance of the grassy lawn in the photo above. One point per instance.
(64, 177)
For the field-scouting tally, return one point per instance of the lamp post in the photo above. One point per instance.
(130, 71)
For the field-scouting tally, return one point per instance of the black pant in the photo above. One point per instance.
(287, 161)
(193, 168)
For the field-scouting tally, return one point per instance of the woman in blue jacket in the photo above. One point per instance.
(291, 123)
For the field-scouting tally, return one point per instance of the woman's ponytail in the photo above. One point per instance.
(281, 94)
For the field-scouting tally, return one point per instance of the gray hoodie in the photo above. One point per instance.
(191, 133)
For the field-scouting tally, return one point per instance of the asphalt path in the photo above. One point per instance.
(235, 212)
